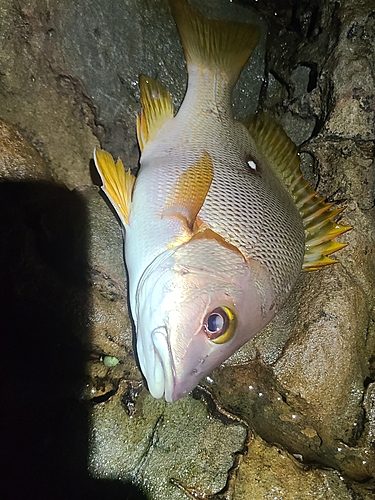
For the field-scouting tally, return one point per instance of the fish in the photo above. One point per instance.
(219, 221)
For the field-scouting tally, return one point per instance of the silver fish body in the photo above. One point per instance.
(250, 267)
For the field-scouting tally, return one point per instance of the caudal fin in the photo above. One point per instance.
(220, 45)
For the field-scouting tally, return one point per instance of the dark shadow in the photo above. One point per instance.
(43, 307)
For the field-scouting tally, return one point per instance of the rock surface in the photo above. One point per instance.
(292, 414)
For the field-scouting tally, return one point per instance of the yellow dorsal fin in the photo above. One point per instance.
(157, 108)
(117, 182)
(189, 191)
(219, 45)
(277, 148)
(318, 216)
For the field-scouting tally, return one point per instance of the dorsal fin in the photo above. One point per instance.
(157, 108)
(278, 149)
(217, 44)
(118, 183)
(318, 216)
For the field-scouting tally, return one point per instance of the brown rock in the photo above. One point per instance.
(19, 160)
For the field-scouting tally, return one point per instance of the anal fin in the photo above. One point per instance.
(157, 108)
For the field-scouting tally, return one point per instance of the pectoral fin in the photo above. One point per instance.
(208, 234)
(118, 183)
(190, 191)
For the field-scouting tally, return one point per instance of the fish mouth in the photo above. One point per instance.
(163, 381)
(159, 369)
(157, 364)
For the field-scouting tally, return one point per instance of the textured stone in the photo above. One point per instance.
(40, 94)
(68, 82)
(259, 477)
(19, 160)
(167, 448)
(108, 322)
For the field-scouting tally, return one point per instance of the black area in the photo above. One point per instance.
(313, 76)
(95, 177)
(43, 308)
(367, 382)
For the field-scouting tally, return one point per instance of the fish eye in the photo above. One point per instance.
(220, 324)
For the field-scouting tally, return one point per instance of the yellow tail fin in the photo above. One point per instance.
(219, 45)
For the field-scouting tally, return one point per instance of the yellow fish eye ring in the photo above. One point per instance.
(220, 324)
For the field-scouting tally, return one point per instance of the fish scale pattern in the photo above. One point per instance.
(251, 209)
(319, 217)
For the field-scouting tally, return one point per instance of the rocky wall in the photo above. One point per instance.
(292, 414)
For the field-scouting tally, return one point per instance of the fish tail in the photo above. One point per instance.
(318, 216)
(220, 45)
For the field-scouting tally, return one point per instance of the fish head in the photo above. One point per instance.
(195, 306)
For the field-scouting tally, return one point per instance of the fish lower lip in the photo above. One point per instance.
(163, 381)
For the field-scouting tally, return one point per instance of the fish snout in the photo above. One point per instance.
(161, 372)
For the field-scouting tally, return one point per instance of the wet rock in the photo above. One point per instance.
(259, 477)
(169, 449)
(43, 299)
(108, 322)
(19, 160)
(69, 82)
(41, 95)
